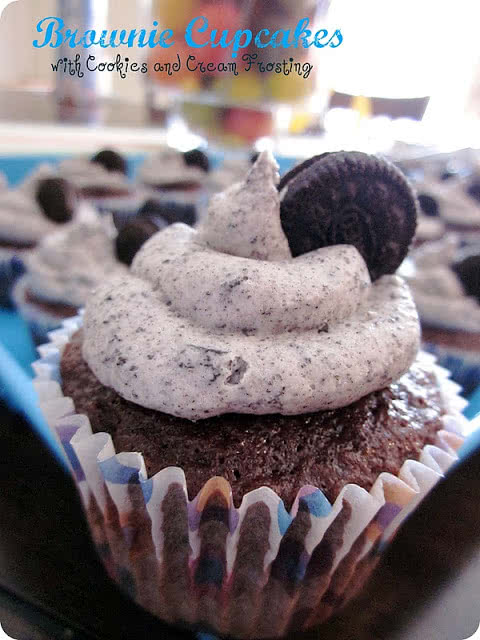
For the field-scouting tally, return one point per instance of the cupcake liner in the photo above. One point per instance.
(464, 366)
(252, 571)
(39, 321)
(11, 268)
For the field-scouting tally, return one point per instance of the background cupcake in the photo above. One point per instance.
(60, 273)
(276, 352)
(27, 214)
(176, 176)
(446, 294)
(103, 181)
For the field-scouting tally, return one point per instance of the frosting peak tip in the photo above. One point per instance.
(264, 168)
(244, 220)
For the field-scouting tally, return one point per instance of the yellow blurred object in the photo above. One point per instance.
(292, 88)
(173, 14)
(246, 87)
(299, 122)
(190, 84)
(362, 105)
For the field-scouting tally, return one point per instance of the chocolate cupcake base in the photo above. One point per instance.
(327, 449)
(256, 571)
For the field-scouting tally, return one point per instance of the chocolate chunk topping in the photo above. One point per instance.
(171, 212)
(350, 198)
(467, 268)
(134, 235)
(473, 189)
(428, 205)
(57, 199)
(197, 158)
(111, 161)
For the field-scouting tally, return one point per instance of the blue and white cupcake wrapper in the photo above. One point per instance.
(464, 366)
(11, 268)
(39, 321)
(254, 571)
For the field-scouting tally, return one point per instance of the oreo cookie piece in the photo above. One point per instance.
(350, 198)
(134, 235)
(428, 205)
(111, 161)
(197, 158)
(467, 268)
(57, 199)
(473, 189)
(171, 212)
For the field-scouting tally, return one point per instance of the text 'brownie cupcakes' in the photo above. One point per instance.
(266, 366)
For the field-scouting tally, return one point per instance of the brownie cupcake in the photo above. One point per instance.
(176, 176)
(61, 271)
(446, 288)
(104, 175)
(266, 366)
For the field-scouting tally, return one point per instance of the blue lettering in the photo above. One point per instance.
(301, 32)
(52, 22)
(339, 35)
(318, 37)
(258, 42)
(188, 32)
(284, 33)
(237, 44)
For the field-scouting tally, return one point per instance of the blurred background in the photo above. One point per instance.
(405, 71)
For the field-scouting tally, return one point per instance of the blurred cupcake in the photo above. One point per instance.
(453, 199)
(445, 286)
(29, 213)
(102, 179)
(176, 176)
(164, 212)
(429, 224)
(61, 271)
(266, 366)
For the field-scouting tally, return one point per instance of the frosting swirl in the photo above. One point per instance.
(69, 263)
(84, 174)
(223, 319)
(168, 168)
(456, 206)
(21, 219)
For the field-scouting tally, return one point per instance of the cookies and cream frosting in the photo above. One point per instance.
(222, 319)
(455, 205)
(22, 221)
(85, 174)
(438, 292)
(68, 264)
(168, 168)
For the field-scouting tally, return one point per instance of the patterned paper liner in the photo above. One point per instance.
(253, 571)
(464, 366)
